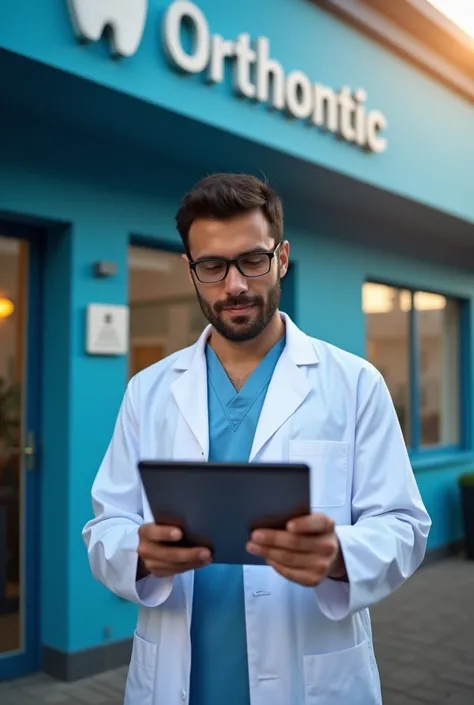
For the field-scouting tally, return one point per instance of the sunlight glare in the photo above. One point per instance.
(460, 12)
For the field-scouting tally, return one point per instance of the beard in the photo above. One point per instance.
(250, 323)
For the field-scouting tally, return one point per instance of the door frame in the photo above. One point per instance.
(27, 660)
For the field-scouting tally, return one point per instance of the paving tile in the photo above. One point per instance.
(91, 696)
(115, 690)
(56, 698)
(399, 699)
(431, 692)
(461, 698)
(459, 677)
(408, 676)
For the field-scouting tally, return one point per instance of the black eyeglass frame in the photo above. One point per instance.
(235, 261)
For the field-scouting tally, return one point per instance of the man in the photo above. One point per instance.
(256, 388)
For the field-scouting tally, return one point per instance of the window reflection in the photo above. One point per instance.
(13, 286)
(387, 330)
(164, 313)
(438, 331)
(413, 339)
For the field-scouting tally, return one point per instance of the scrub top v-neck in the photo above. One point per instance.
(219, 667)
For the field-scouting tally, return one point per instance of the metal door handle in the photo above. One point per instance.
(28, 450)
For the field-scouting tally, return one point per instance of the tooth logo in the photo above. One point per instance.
(126, 20)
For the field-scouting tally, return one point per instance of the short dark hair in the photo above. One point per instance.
(223, 196)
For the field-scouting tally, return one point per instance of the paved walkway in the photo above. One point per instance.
(424, 641)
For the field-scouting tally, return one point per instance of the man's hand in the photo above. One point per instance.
(306, 553)
(164, 561)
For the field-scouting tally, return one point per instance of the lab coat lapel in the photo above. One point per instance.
(189, 390)
(289, 385)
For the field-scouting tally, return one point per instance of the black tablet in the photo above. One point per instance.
(218, 505)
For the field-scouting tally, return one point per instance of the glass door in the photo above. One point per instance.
(19, 386)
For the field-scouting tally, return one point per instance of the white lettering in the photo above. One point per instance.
(246, 57)
(325, 108)
(221, 49)
(346, 114)
(299, 95)
(257, 76)
(360, 96)
(175, 17)
(376, 121)
(269, 69)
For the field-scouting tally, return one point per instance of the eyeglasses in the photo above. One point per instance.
(216, 269)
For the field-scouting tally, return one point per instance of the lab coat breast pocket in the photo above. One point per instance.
(141, 674)
(329, 465)
(342, 678)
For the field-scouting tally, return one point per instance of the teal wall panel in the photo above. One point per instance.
(98, 197)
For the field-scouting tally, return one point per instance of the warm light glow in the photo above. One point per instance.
(378, 298)
(429, 302)
(424, 301)
(6, 307)
(460, 12)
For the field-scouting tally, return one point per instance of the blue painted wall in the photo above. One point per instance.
(97, 198)
(420, 111)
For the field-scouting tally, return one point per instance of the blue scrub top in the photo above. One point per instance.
(219, 666)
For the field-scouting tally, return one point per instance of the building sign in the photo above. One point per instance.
(125, 18)
(257, 76)
(107, 328)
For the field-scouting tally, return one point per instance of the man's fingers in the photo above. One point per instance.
(322, 545)
(307, 578)
(290, 559)
(159, 533)
(173, 555)
(293, 542)
(316, 523)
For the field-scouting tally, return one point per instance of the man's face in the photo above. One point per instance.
(239, 307)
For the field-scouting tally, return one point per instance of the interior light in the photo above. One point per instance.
(6, 307)
(379, 298)
(376, 298)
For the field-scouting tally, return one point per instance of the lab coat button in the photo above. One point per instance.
(184, 694)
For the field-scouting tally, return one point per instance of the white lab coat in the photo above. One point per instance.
(306, 646)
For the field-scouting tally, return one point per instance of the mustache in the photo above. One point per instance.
(233, 301)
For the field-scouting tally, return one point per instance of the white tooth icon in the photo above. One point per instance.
(126, 19)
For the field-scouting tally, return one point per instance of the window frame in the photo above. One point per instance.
(415, 450)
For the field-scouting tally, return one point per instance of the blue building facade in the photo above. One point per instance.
(372, 152)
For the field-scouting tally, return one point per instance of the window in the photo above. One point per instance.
(164, 312)
(413, 339)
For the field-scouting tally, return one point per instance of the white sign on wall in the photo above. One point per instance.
(107, 331)
(256, 75)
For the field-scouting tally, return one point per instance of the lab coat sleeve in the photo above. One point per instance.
(387, 539)
(111, 537)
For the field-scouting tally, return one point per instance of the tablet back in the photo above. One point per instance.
(218, 505)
